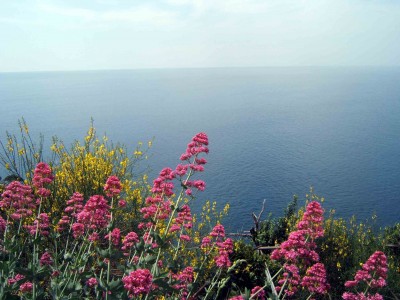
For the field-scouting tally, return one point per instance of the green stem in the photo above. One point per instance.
(35, 254)
(109, 248)
(213, 283)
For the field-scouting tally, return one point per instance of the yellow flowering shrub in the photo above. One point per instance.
(86, 166)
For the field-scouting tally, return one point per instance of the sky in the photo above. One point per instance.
(44, 35)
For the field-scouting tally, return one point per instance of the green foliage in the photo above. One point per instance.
(274, 231)
(345, 246)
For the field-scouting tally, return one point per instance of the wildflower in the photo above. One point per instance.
(92, 282)
(373, 272)
(149, 211)
(200, 161)
(94, 237)
(138, 282)
(196, 146)
(121, 203)
(258, 293)
(184, 237)
(46, 259)
(75, 205)
(184, 278)
(361, 296)
(96, 213)
(113, 186)
(300, 244)
(181, 170)
(198, 168)
(19, 199)
(3, 225)
(115, 236)
(315, 279)
(174, 227)
(26, 287)
(129, 241)
(62, 223)
(78, 229)
(55, 273)
(218, 231)
(167, 174)
(184, 219)
(42, 176)
(40, 225)
(15, 279)
(206, 242)
(291, 278)
(312, 221)
(224, 249)
(237, 298)
(200, 185)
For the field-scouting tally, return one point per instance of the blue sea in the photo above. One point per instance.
(274, 132)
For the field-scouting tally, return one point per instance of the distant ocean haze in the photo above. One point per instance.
(274, 132)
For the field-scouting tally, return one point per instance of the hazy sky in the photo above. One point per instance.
(109, 34)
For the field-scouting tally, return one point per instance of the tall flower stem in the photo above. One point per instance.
(35, 254)
(109, 247)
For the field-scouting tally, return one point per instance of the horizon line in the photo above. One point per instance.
(207, 67)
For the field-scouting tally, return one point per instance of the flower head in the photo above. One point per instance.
(18, 200)
(258, 293)
(138, 282)
(373, 272)
(113, 186)
(46, 259)
(115, 236)
(315, 280)
(96, 213)
(42, 176)
(40, 225)
(92, 282)
(26, 287)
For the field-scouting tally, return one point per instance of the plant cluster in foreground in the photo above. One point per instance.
(86, 252)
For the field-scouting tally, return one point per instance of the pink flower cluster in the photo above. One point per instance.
(224, 247)
(92, 282)
(95, 213)
(315, 279)
(198, 145)
(42, 176)
(40, 225)
(113, 186)
(373, 273)
(46, 259)
(18, 199)
(26, 287)
(74, 207)
(15, 279)
(114, 236)
(128, 242)
(184, 278)
(300, 244)
(299, 250)
(361, 296)
(291, 279)
(158, 206)
(183, 220)
(312, 221)
(138, 282)
(258, 293)
(3, 224)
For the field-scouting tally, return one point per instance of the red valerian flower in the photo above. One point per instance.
(138, 282)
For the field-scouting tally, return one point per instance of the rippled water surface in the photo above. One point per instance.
(274, 132)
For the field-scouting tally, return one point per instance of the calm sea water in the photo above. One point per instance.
(274, 132)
